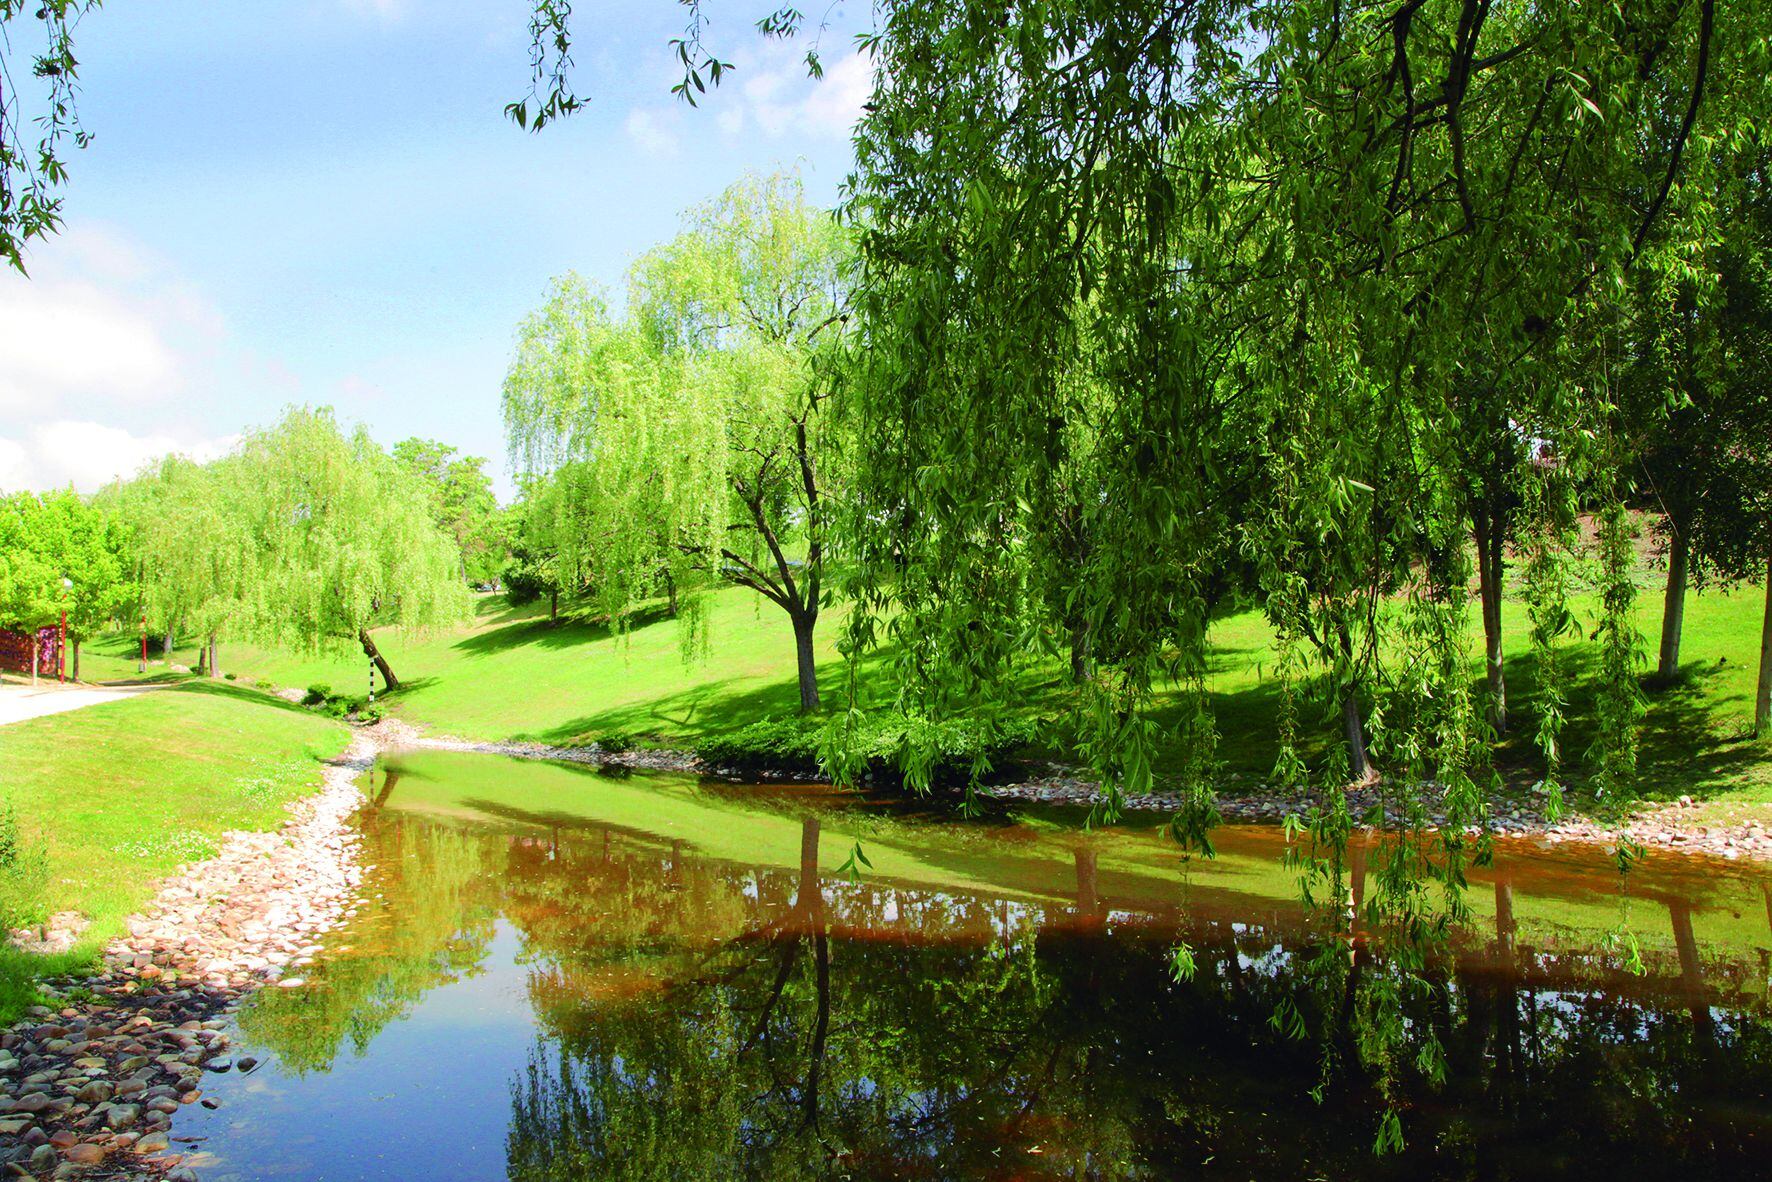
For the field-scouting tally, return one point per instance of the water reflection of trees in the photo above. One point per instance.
(808, 1028)
(699, 1019)
(428, 922)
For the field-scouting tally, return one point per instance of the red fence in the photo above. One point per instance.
(15, 651)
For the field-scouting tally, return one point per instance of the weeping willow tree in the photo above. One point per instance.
(1351, 237)
(306, 537)
(340, 540)
(686, 443)
(190, 549)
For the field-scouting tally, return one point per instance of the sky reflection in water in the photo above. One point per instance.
(561, 975)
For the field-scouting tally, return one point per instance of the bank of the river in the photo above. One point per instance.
(1659, 826)
(89, 1086)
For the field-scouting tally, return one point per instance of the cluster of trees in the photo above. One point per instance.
(1138, 337)
(1335, 304)
(306, 536)
(462, 505)
(59, 554)
(686, 443)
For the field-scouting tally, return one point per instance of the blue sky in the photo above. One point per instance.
(321, 201)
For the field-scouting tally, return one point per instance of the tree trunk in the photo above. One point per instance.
(1763, 698)
(76, 645)
(671, 591)
(1673, 608)
(1088, 889)
(809, 889)
(1358, 765)
(166, 645)
(1079, 655)
(804, 622)
(210, 660)
(554, 607)
(1489, 547)
(389, 681)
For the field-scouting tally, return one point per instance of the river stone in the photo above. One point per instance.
(43, 1158)
(122, 1116)
(96, 1092)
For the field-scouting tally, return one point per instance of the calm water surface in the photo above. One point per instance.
(559, 974)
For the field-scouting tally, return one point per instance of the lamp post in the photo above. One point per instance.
(61, 647)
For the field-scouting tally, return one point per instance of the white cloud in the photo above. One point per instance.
(776, 94)
(731, 119)
(97, 322)
(64, 341)
(652, 132)
(89, 455)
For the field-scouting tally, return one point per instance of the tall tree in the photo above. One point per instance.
(342, 539)
(462, 503)
(690, 443)
(533, 570)
(191, 550)
(65, 556)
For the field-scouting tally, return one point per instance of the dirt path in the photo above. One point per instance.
(21, 700)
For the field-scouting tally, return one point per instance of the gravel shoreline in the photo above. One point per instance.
(89, 1089)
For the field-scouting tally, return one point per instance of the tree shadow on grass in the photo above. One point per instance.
(1691, 743)
(711, 707)
(567, 632)
(214, 688)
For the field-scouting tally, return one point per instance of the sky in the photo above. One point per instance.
(321, 202)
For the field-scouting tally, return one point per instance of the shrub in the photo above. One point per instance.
(341, 706)
(265, 684)
(317, 694)
(773, 744)
(614, 743)
(372, 713)
(229, 676)
(795, 745)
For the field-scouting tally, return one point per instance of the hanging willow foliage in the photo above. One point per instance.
(1166, 301)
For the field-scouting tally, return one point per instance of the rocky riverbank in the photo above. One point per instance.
(1657, 826)
(1668, 826)
(90, 1087)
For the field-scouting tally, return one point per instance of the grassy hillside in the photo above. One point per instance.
(514, 673)
(115, 796)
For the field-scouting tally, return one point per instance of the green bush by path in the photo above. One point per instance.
(115, 796)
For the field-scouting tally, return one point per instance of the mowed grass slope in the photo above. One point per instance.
(116, 796)
(513, 673)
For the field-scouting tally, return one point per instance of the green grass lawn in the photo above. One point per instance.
(115, 796)
(513, 673)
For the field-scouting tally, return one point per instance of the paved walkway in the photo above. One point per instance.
(19, 701)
